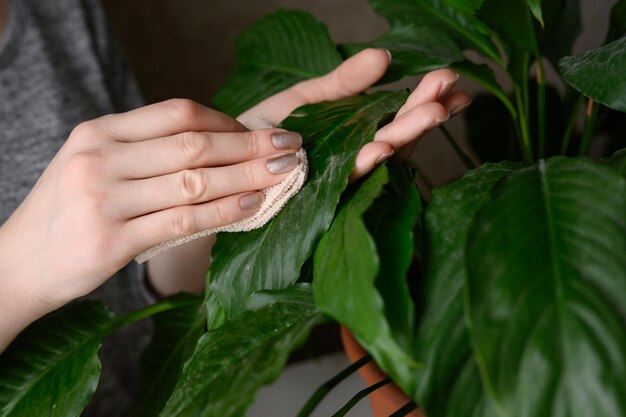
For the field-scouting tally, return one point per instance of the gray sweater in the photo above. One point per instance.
(59, 67)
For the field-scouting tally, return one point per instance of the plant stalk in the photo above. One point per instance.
(571, 123)
(327, 386)
(151, 310)
(591, 117)
(467, 161)
(359, 396)
(527, 152)
(541, 108)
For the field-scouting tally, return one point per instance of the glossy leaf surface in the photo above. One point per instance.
(345, 267)
(546, 276)
(468, 31)
(273, 54)
(599, 74)
(231, 363)
(617, 26)
(449, 382)
(271, 257)
(512, 21)
(617, 161)
(52, 368)
(414, 50)
(176, 333)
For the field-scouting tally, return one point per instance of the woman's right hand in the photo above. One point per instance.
(123, 183)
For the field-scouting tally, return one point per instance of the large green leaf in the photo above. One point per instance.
(449, 382)
(546, 278)
(512, 21)
(599, 74)
(52, 368)
(617, 161)
(562, 28)
(617, 27)
(468, 31)
(275, 53)
(271, 257)
(391, 220)
(415, 50)
(176, 333)
(535, 8)
(485, 77)
(232, 362)
(345, 267)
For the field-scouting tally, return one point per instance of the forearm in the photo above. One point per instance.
(182, 268)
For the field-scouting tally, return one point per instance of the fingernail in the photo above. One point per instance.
(458, 109)
(251, 201)
(388, 53)
(446, 86)
(383, 157)
(287, 140)
(284, 163)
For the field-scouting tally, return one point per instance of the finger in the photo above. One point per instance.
(456, 101)
(434, 86)
(164, 119)
(147, 231)
(369, 157)
(412, 124)
(201, 185)
(353, 76)
(191, 150)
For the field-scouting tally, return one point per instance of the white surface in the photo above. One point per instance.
(288, 394)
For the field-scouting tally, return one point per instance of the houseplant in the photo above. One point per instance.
(514, 307)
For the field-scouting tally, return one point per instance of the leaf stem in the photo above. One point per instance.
(526, 149)
(541, 107)
(591, 118)
(457, 149)
(327, 386)
(571, 123)
(359, 396)
(406, 409)
(151, 310)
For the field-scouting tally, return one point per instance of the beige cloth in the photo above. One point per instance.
(276, 197)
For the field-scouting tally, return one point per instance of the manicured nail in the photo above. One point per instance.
(388, 53)
(251, 201)
(287, 140)
(282, 164)
(446, 86)
(458, 109)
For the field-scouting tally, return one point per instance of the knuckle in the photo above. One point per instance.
(192, 185)
(84, 131)
(182, 109)
(194, 146)
(250, 175)
(184, 222)
(253, 141)
(221, 215)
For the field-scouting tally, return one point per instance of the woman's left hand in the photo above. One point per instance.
(432, 102)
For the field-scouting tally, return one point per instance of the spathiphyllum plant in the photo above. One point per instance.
(504, 296)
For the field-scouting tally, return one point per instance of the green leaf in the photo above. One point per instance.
(232, 362)
(271, 257)
(391, 220)
(535, 8)
(468, 31)
(617, 26)
(617, 161)
(176, 333)
(273, 54)
(345, 266)
(415, 50)
(52, 368)
(599, 74)
(562, 28)
(546, 278)
(512, 21)
(467, 6)
(449, 382)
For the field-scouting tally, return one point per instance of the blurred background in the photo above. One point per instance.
(185, 48)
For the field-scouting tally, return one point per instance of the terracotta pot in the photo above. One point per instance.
(386, 400)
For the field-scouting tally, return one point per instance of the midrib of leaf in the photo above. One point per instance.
(26, 389)
(197, 324)
(239, 355)
(300, 72)
(462, 31)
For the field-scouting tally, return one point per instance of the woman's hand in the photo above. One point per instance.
(122, 184)
(432, 103)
